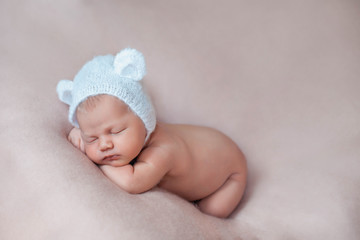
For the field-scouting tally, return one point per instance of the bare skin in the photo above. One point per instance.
(196, 163)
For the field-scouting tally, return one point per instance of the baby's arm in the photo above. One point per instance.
(75, 138)
(146, 173)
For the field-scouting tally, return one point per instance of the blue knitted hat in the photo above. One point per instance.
(119, 76)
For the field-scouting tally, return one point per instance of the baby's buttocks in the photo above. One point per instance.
(203, 160)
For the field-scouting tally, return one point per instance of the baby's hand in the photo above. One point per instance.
(75, 138)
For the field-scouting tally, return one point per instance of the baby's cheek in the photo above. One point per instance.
(91, 152)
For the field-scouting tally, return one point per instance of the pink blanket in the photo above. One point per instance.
(281, 78)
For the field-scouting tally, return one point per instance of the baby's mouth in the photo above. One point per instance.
(111, 157)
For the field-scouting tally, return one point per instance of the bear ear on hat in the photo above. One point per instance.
(130, 63)
(64, 91)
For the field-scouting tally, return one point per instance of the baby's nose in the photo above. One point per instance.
(106, 143)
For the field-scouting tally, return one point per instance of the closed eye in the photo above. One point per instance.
(90, 140)
(117, 131)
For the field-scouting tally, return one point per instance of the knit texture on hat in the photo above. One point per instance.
(119, 76)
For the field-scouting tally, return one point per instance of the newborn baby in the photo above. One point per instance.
(115, 126)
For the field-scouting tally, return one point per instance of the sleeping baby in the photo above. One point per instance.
(115, 126)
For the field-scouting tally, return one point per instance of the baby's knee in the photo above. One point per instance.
(214, 209)
(221, 203)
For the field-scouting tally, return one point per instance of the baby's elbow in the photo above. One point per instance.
(131, 190)
(133, 187)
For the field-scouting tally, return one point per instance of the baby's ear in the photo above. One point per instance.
(130, 63)
(64, 91)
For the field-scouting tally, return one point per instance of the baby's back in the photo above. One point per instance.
(202, 158)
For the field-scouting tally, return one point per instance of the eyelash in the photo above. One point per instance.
(113, 133)
(91, 140)
(116, 132)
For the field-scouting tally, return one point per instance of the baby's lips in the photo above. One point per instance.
(111, 157)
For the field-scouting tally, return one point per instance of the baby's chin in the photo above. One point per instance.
(113, 163)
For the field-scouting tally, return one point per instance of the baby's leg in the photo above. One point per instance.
(222, 202)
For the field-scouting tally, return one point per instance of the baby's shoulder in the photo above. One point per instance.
(159, 156)
(154, 149)
(164, 141)
(165, 136)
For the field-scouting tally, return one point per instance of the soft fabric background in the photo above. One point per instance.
(282, 78)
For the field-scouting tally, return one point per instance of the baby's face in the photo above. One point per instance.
(112, 133)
